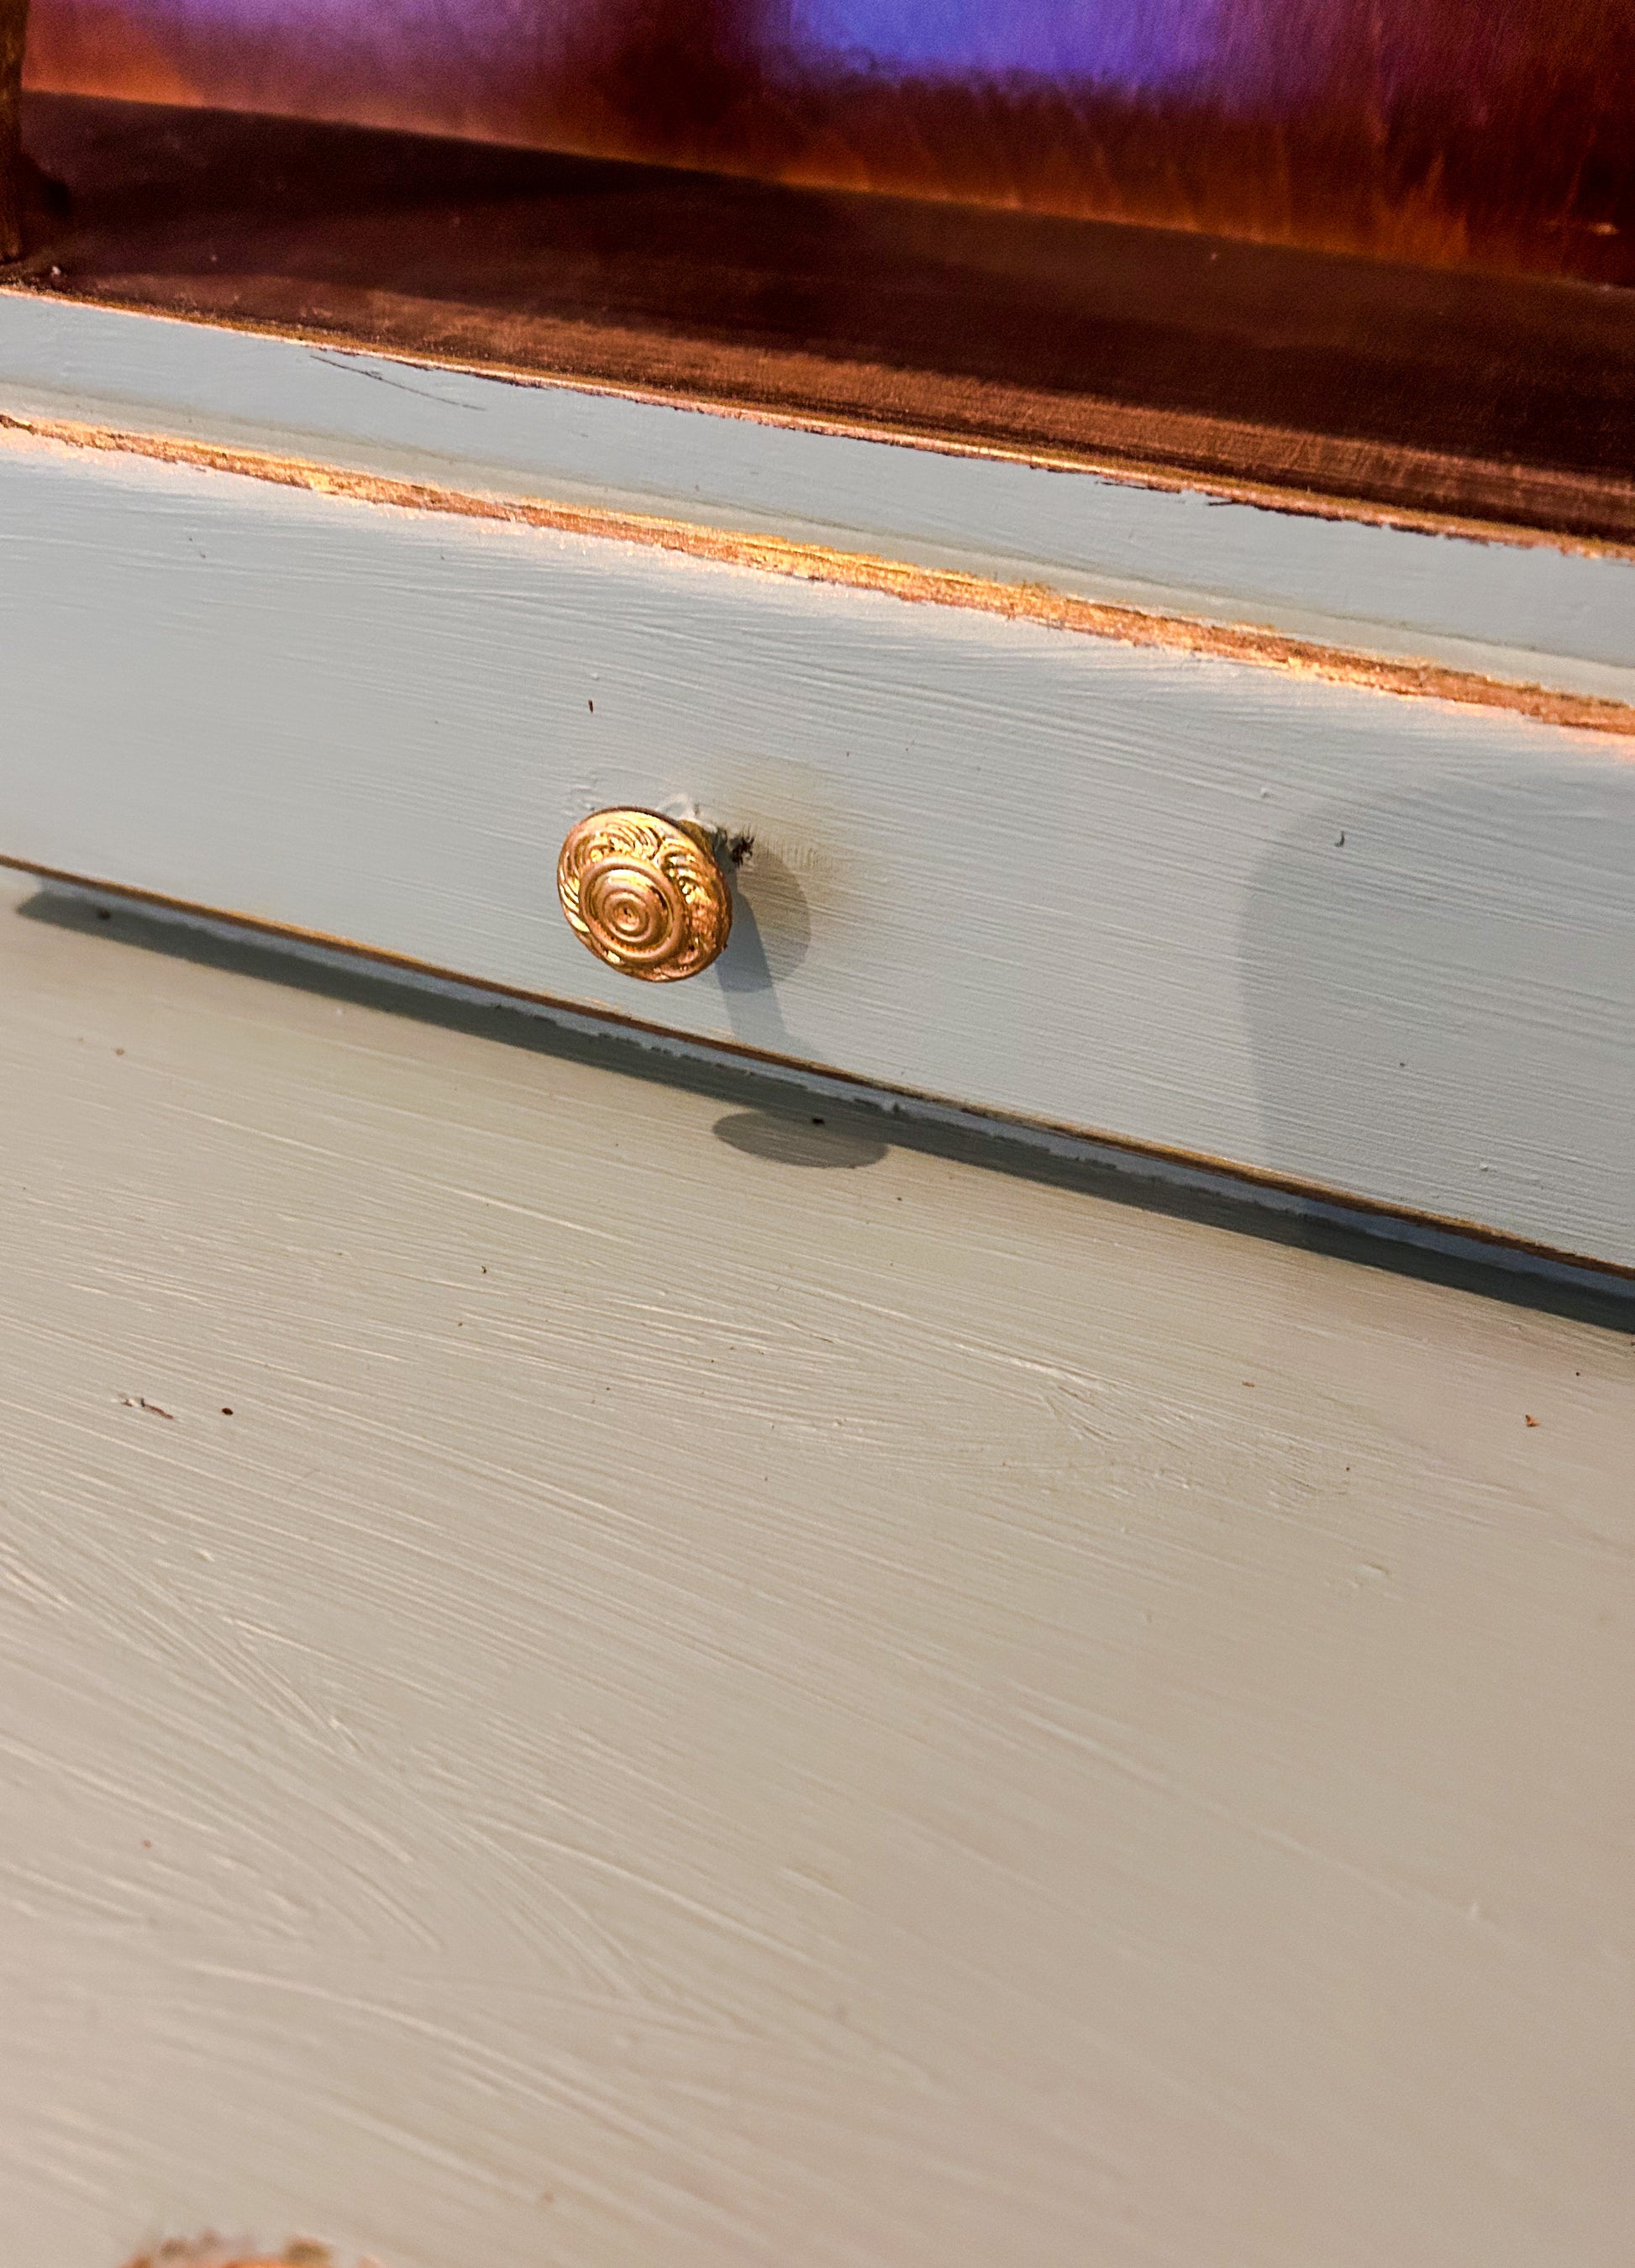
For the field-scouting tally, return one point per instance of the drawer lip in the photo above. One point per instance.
(1243, 1185)
(1354, 664)
(1511, 603)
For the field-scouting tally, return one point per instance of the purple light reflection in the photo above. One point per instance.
(1129, 46)
(463, 65)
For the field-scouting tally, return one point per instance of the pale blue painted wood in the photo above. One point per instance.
(1378, 944)
(701, 1713)
(1520, 610)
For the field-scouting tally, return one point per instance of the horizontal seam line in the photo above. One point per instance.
(791, 561)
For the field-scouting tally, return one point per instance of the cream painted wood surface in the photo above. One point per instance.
(1562, 614)
(708, 1709)
(1376, 945)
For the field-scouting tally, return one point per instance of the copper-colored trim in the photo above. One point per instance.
(1249, 1178)
(812, 563)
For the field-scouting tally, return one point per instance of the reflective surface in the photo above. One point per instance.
(644, 894)
(1498, 132)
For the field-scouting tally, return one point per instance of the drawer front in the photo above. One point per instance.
(1381, 945)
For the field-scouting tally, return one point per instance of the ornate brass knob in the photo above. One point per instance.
(646, 895)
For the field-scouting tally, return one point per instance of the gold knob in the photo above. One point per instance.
(646, 895)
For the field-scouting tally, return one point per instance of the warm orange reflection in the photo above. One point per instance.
(1495, 131)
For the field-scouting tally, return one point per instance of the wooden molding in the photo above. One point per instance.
(1316, 382)
(812, 563)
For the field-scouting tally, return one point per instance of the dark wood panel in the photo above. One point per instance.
(1316, 375)
(13, 16)
(1485, 132)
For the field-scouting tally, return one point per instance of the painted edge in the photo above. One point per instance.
(1035, 602)
(1224, 1179)
(1133, 468)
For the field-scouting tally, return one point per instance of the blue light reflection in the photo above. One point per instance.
(1133, 46)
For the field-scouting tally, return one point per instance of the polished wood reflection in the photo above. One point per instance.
(1274, 369)
(1491, 133)
(13, 18)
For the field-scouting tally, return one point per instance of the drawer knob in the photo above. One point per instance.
(646, 894)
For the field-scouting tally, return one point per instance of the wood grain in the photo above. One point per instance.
(708, 1710)
(13, 25)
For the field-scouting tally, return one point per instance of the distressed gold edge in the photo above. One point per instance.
(780, 556)
(1100, 461)
(978, 1115)
(814, 562)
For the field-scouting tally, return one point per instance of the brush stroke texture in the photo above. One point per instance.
(705, 1713)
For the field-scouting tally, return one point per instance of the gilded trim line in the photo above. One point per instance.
(859, 571)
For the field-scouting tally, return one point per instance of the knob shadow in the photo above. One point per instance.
(786, 1140)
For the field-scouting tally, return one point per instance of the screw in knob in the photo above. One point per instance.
(644, 894)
